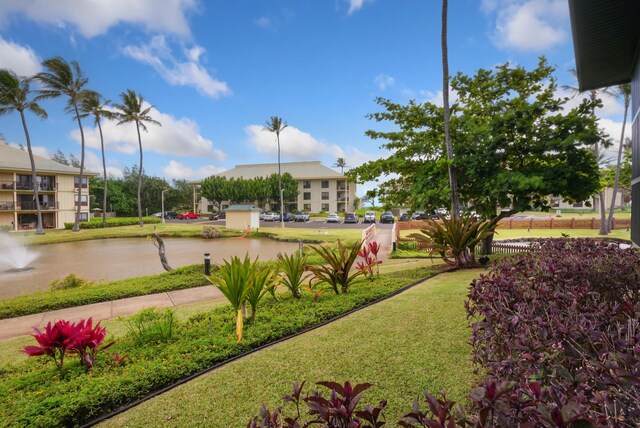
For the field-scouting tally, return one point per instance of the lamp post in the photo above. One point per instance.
(162, 197)
(281, 207)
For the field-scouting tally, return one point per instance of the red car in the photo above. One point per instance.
(188, 215)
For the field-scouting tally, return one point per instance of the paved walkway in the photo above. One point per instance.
(19, 326)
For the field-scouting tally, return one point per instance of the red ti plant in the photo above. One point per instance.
(369, 255)
(56, 340)
(88, 341)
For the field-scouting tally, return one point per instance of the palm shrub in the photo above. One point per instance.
(337, 270)
(262, 280)
(293, 268)
(456, 238)
(233, 281)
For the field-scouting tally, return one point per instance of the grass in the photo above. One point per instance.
(579, 213)
(546, 233)
(421, 343)
(316, 234)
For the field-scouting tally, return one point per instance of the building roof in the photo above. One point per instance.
(242, 208)
(14, 159)
(606, 40)
(299, 170)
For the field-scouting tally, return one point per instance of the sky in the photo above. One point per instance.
(215, 71)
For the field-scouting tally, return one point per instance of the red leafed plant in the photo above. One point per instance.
(88, 341)
(369, 255)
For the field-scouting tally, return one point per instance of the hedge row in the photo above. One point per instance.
(96, 223)
(33, 394)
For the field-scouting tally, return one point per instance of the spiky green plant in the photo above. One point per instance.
(233, 280)
(292, 268)
(262, 280)
(337, 270)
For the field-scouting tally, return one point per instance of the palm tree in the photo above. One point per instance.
(14, 96)
(341, 163)
(624, 92)
(131, 110)
(64, 78)
(593, 97)
(275, 124)
(453, 179)
(94, 104)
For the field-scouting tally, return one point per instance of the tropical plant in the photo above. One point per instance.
(15, 96)
(151, 325)
(132, 110)
(68, 282)
(341, 163)
(88, 341)
(292, 268)
(369, 255)
(337, 270)
(55, 341)
(233, 280)
(277, 125)
(94, 104)
(62, 78)
(262, 280)
(623, 91)
(456, 239)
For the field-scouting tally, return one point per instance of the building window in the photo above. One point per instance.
(307, 207)
(76, 181)
(84, 201)
(306, 184)
(325, 196)
(579, 205)
(306, 196)
(84, 217)
(325, 184)
(325, 207)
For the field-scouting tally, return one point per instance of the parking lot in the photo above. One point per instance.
(291, 224)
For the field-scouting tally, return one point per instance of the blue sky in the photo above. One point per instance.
(215, 71)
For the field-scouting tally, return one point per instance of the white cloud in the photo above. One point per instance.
(263, 22)
(528, 25)
(294, 143)
(177, 137)
(355, 5)
(384, 81)
(93, 18)
(189, 72)
(93, 163)
(22, 60)
(179, 171)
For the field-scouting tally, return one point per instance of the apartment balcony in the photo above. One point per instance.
(42, 187)
(31, 206)
(7, 206)
(7, 185)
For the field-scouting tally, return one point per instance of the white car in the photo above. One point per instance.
(271, 217)
(333, 218)
(369, 217)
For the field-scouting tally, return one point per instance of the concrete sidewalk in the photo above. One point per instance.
(13, 327)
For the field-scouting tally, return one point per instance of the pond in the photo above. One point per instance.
(112, 259)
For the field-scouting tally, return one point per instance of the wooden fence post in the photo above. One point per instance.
(551, 223)
(573, 223)
(593, 222)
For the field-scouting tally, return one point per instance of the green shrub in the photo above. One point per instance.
(211, 232)
(68, 282)
(96, 223)
(337, 268)
(292, 268)
(151, 325)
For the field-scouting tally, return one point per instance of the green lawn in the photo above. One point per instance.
(546, 233)
(413, 342)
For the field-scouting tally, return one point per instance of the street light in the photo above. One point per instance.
(162, 195)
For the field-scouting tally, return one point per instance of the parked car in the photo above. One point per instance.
(188, 215)
(417, 215)
(270, 217)
(333, 218)
(170, 215)
(287, 217)
(404, 217)
(387, 217)
(301, 216)
(369, 217)
(351, 218)
(218, 216)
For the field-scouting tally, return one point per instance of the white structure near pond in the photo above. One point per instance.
(242, 217)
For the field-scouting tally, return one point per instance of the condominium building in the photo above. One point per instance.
(320, 187)
(57, 186)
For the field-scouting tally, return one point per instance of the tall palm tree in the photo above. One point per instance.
(62, 78)
(624, 92)
(593, 97)
(15, 96)
(341, 163)
(453, 179)
(277, 125)
(94, 104)
(132, 110)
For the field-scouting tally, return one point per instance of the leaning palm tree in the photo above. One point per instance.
(341, 163)
(132, 110)
(453, 179)
(94, 104)
(15, 96)
(623, 91)
(62, 78)
(275, 124)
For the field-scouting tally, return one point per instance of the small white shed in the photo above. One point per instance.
(242, 217)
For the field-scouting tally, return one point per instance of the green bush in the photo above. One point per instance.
(211, 232)
(30, 395)
(151, 325)
(68, 282)
(96, 223)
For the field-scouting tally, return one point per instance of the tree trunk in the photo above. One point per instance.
(616, 182)
(39, 228)
(159, 243)
(104, 170)
(76, 224)
(453, 181)
(139, 176)
(486, 245)
(603, 216)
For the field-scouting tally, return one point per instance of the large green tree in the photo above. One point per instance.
(62, 78)
(515, 145)
(16, 95)
(215, 188)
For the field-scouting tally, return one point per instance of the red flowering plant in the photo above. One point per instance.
(88, 341)
(369, 255)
